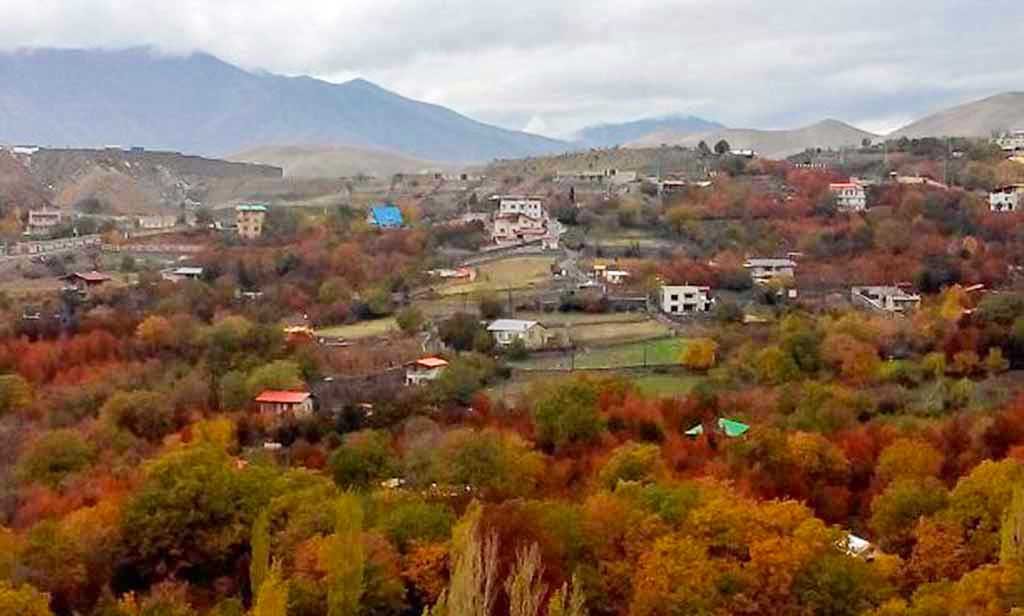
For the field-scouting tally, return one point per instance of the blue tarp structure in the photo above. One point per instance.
(386, 216)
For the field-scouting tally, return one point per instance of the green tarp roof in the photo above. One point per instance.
(728, 426)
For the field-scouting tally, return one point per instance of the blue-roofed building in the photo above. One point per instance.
(385, 216)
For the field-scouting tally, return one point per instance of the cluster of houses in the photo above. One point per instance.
(522, 219)
(1008, 198)
(1012, 141)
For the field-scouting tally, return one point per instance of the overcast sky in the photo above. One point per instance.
(552, 66)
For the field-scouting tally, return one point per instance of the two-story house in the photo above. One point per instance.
(892, 299)
(850, 196)
(1008, 198)
(508, 331)
(683, 299)
(763, 270)
(424, 370)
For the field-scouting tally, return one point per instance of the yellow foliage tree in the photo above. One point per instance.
(700, 354)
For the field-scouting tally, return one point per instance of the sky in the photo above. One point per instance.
(554, 66)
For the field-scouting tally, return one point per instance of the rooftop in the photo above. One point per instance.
(770, 262)
(283, 397)
(728, 426)
(510, 325)
(386, 215)
(92, 276)
(251, 207)
(431, 362)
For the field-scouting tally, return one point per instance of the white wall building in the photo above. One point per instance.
(530, 206)
(682, 299)
(850, 196)
(1006, 198)
(885, 298)
(43, 221)
(507, 331)
(424, 370)
(762, 270)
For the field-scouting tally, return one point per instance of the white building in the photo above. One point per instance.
(682, 299)
(850, 196)
(507, 331)
(616, 277)
(762, 270)
(885, 298)
(424, 370)
(183, 273)
(43, 221)
(157, 222)
(1006, 198)
(512, 205)
(518, 228)
(1012, 141)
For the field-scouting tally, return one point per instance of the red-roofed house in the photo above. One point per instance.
(850, 196)
(83, 281)
(298, 403)
(424, 370)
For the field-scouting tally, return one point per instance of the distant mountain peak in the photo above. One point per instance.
(611, 134)
(980, 118)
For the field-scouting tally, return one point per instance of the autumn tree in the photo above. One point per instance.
(632, 462)
(473, 586)
(523, 586)
(55, 455)
(699, 354)
(568, 600)
(260, 546)
(364, 458)
(156, 333)
(566, 413)
(15, 394)
(23, 601)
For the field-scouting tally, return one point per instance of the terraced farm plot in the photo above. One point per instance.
(663, 352)
(363, 329)
(513, 273)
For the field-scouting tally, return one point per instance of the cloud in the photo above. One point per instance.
(556, 66)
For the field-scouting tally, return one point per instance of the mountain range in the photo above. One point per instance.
(202, 105)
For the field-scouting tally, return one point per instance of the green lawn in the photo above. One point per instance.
(610, 333)
(664, 352)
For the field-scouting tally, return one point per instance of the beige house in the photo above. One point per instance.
(424, 370)
(518, 228)
(249, 219)
(150, 223)
(507, 331)
(684, 299)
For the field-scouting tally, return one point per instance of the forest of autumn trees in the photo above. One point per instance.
(135, 480)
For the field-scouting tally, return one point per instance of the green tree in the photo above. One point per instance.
(566, 413)
(346, 559)
(364, 458)
(54, 456)
(272, 598)
(488, 461)
(280, 374)
(895, 511)
(260, 546)
(473, 585)
(632, 462)
(524, 585)
(146, 414)
(194, 506)
(410, 319)
(1012, 532)
(722, 147)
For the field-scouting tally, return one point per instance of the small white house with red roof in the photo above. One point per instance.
(850, 196)
(277, 402)
(424, 370)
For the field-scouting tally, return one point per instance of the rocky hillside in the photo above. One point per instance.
(325, 161)
(118, 182)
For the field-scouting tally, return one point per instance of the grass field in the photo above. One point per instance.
(363, 329)
(653, 385)
(514, 273)
(664, 352)
(609, 333)
(664, 385)
(561, 319)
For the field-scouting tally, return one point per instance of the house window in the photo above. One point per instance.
(675, 297)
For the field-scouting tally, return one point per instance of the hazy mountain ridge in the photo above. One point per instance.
(612, 134)
(320, 161)
(199, 104)
(770, 143)
(979, 118)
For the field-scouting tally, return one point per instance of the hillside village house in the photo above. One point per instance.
(183, 273)
(249, 219)
(43, 221)
(424, 370)
(84, 282)
(514, 204)
(518, 228)
(682, 299)
(1012, 141)
(507, 331)
(616, 277)
(763, 270)
(893, 299)
(850, 196)
(153, 223)
(385, 216)
(275, 402)
(1006, 198)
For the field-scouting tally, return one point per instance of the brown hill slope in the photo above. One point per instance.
(769, 143)
(975, 119)
(327, 161)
